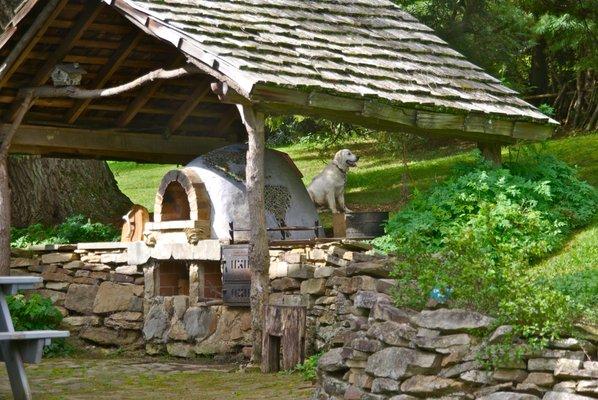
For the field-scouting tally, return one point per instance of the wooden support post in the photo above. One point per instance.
(5, 188)
(491, 152)
(284, 333)
(259, 258)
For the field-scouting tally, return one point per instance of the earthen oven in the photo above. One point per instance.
(194, 252)
(210, 191)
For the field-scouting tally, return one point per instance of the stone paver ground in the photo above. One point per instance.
(138, 378)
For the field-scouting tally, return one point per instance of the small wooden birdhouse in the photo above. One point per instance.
(67, 74)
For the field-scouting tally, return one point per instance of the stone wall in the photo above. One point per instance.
(97, 292)
(377, 351)
(181, 329)
(373, 349)
(108, 302)
(326, 279)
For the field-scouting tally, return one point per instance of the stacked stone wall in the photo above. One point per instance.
(375, 351)
(325, 279)
(181, 329)
(99, 295)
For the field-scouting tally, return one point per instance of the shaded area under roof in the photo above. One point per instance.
(361, 61)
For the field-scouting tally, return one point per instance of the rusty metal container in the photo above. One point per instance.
(359, 225)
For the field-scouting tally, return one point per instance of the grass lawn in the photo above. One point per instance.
(376, 184)
(574, 270)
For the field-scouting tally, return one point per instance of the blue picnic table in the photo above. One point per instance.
(19, 347)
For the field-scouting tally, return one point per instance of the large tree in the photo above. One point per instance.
(48, 190)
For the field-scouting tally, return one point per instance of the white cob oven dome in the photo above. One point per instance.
(211, 191)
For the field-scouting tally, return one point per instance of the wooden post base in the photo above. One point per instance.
(284, 334)
(491, 152)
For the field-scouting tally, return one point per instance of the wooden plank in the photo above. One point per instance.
(323, 100)
(280, 95)
(227, 119)
(384, 119)
(386, 112)
(30, 38)
(110, 144)
(284, 332)
(142, 98)
(106, 72)
(201, 91)
(530, 131)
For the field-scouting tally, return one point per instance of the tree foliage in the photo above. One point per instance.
(474, 238)
(542, 48)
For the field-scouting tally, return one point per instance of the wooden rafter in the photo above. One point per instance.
(84, 19)
(200, 92)
(142, 98)
(227, 119)
(30, 39)
(114, 63)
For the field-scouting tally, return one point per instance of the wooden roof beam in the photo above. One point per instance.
(30, 38)
(141, 100)
(201, 91)
(109, 144)
(104, 75)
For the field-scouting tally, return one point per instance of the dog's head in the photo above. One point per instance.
(345, 159)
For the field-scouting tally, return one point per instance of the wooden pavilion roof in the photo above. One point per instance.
(362, 61)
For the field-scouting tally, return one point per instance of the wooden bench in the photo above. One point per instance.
(19, 347)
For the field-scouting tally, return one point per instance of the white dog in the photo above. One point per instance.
(327, 189)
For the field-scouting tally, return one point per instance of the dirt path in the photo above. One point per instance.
(141, 379)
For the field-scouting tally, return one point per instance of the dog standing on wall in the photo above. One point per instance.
(327, 189)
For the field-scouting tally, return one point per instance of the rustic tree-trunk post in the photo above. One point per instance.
(491, 152)
(5, 187)
(259, 257)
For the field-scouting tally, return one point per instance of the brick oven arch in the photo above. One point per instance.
(182, 195)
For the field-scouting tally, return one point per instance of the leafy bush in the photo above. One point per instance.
(37, 313)
(309, 367)
(74, 229)
(474, 237)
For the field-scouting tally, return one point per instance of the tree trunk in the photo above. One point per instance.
(4, 219)
(259, 257)
(538, 74)
(48, 190)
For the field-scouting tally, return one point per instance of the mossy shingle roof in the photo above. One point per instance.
(359, 48)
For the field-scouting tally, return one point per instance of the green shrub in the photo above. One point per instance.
(74, 229)
(474, 237)
(309, 367)
(37, 313)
